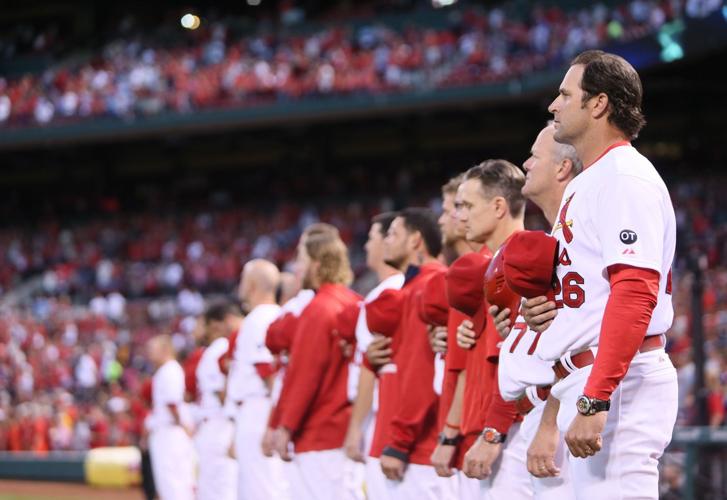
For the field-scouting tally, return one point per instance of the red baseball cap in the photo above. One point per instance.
(529, 259)
(496, 290)
(465, 288)
(384, 313)
(432, 302)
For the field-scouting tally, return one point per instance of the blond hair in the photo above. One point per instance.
(327, 248)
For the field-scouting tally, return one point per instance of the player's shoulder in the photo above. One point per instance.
(628, 164)
(393, 282)
(263, 314)
(218, 347)
(171, 369)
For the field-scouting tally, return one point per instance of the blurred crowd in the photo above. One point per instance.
(150, 254)
(72, 371)
(212, 67)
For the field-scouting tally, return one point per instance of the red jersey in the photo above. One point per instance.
(483, 405)
(413, 428)
(316, 409)
(454, 362)
(383, 316)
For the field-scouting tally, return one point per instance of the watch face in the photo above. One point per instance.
(490, 436)
(584, 405)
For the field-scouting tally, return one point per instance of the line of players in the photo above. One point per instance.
(490, 362)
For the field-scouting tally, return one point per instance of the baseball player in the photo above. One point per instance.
(448, 452)
(279, 337)
(363, 415)
(604, 332)
(522, 375)
(215, 431)
(253, 370)
(492, 210)
(169, 425)
(407, 424)
(315, 415)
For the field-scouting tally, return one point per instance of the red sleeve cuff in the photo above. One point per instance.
(501, 414)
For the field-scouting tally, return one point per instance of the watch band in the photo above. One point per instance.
(449, 441)
(590, 406)
(393, 452)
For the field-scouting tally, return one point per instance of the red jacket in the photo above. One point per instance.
(279, 337)
(316, 409)
(382, 317)
(413, 428)
(454, 362)
(483, 405)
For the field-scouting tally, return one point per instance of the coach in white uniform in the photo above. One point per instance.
(215, 431)
(616, 228)
(170, 445)
(251, 375)
(522, 375)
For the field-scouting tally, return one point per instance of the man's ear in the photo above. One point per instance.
(564, 170)
(501, 207)
(599, 105)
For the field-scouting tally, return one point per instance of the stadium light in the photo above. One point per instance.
(442, 3)
(254, 3)
(190, 21)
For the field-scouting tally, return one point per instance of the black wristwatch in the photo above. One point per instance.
(590, 406)
(493, 436)
(448, 441)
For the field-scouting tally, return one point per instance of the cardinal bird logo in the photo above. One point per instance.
(563, 223)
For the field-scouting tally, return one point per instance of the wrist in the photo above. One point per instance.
(445, 440)
(588, 406)
(450, 432)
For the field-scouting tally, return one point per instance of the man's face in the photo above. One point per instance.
(216, 329)
(448, 223)
(153, 352)
(397, 244)
(304, 267)
(374, 246)
(477, 212)
(569, 114)
(243, 290)
(540, 167)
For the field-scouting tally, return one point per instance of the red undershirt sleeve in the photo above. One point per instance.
(634, 293)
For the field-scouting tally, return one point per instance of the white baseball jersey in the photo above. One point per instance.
(617, 211)
(297, 304)
(364, 335)
(250, 350)
(210, 379)
(167, 387)
(519, 368)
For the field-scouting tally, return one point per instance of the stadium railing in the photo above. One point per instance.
(704, 465)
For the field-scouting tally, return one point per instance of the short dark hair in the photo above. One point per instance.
(614, 76)
(385, 219)
(501, 178)
(219, 310)
(425, 221)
